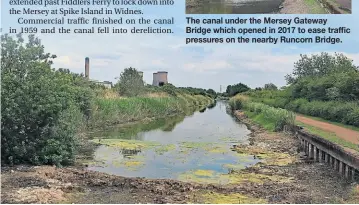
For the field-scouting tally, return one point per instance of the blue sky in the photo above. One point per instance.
(196, 65)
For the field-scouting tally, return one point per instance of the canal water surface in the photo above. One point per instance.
(174, 148)
(232, 6)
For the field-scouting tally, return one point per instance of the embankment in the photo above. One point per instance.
(282, 176)
(115, 111)
(343, 160)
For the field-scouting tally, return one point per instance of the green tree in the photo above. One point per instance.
(39, 113)
(212, 92)
(319, 65)
(130, 83)
(233, 90)
(270, 86)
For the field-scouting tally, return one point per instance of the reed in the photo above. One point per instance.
(271, 118)
(121, 110)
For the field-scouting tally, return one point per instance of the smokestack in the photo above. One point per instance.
(87, 67)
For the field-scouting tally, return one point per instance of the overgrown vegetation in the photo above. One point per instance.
(323, 85)
(115, 111)
(43, 109)
(274, 119)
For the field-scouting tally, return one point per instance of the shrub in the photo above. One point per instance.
(39, 112)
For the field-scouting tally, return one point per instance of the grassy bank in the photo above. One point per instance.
(272, 119)
(122, 110)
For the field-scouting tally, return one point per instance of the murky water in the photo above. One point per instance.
(170, 148)
(232, 6)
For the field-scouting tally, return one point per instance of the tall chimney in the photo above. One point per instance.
(87, 67)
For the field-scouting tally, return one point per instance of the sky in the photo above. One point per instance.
(195, 65)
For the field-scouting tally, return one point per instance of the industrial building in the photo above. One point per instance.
(107, 84)
(160, 78)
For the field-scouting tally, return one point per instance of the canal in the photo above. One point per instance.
(232, 6)
(181, 147)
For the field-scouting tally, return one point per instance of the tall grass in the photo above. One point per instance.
(121, 110)
(280, 117)
(272, 118)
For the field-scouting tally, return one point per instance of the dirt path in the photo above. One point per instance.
(344, 3)
(300, 7)
(342, 132)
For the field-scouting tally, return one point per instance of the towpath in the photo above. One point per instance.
(301, 7)
(342, 132)
(347, 4)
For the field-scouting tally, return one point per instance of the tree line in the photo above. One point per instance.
(321, 85)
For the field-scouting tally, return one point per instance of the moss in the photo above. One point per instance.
(236, 178)
(277, 159)
(256, 178)
(233, 198)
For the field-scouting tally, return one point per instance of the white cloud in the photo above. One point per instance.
(110, 54)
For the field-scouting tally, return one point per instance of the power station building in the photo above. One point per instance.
(107, 84)
(160, 78)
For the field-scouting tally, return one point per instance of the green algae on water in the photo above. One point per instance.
(217, 149)
(234, 166)
(194, 145)
(205, 173)
(126, 144)
(165, 148)
(269, 157)
(228, 139)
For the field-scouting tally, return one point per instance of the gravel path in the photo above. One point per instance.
(294, 7)
(344, 3)
(342, 132)
(301, 7)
